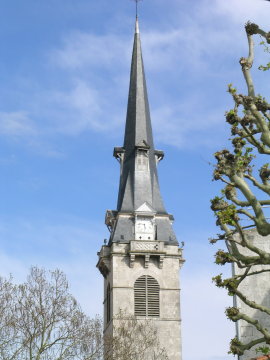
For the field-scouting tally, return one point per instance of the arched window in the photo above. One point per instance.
(146, 296)
(108, 303)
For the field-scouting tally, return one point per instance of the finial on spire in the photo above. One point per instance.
(136, 1)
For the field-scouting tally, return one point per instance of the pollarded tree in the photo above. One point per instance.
(245, 194)
(40, 320)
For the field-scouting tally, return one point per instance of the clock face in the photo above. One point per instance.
(144, 228)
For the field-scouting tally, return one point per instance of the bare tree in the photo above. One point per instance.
(245, 194)
(7, 319)
(40, 320)
(133, 339)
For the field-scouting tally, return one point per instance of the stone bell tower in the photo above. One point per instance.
(140, 264)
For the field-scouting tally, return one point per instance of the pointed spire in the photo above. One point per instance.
(139, 179)
(138, 123)
(139, 198)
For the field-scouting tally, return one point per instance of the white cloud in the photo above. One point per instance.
(24, 128)
(85, 109)
(16, 124)
(201, 48)
(181, 126)
(177, 46)
(82, 49)
(191, 47)
(187, 48)
(95, 108)
(241, 11)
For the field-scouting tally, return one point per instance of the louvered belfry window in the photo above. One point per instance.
(146, 296)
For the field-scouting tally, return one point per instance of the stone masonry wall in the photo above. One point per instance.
(122, 278)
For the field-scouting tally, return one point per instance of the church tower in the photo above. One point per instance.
(140, 264)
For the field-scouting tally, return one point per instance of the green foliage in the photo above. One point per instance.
(229, 191)
(265, 350)
(222, 257)
(228, 215)
(264, 68)
(218, 203)
(235, 347)
(231, 89)
(251, 28)
(231, 117)
(266, 49)
(230, 284)
(243, 156)
(232, 313)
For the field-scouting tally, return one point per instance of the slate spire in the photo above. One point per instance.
(139, 179)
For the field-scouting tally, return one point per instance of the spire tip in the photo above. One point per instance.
(136, 1)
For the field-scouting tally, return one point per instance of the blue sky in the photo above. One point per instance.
(64, 70)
